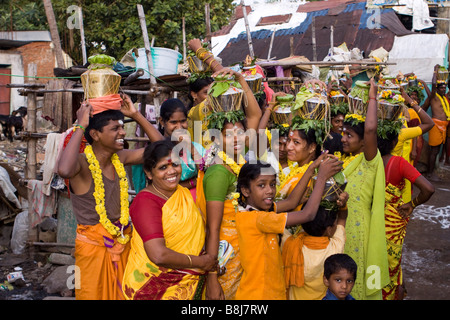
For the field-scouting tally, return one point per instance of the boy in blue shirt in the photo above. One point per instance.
(339, 276)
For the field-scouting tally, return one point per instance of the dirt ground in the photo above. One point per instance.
(426, 256)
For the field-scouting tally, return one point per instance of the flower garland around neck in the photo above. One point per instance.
(236, 168)
(281, 175)
(295, 171)
(347, 159)
(99, 194)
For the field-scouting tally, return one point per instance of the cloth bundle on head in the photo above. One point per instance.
(110, 102)
(101, 84)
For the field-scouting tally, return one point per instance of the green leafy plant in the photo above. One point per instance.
(320, 131)
(217, 120)
(221, 85)
(341, 108)
(385, 127)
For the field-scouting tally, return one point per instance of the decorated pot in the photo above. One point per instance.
(254, 81)
(314, 108)
(388, 111)
(282, 114)
(231, 100)
(100, 82)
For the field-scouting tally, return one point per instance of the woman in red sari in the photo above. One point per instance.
(397, 213)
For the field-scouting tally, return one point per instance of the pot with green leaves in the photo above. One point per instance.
(100, 79)
(358, 99)
(225, 94)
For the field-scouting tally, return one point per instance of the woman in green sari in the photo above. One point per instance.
(366, 240)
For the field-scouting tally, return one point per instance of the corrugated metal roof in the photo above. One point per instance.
(350, 26)
(322, 5)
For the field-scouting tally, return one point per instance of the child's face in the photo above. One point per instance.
(261, 193)
(340, 283)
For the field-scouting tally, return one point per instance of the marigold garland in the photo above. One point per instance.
(236, 168)
(281, 174)
(347, 159)
(99, 194)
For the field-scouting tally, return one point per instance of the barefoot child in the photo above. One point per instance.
(258, 225)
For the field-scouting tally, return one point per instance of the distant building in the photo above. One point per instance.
(17, 50)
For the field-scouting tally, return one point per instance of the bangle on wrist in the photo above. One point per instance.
(75, 127)
(190, 260)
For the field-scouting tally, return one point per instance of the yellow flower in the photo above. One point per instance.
(355, 116)
(99, 194)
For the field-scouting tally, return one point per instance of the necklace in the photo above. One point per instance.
(236, 168)
(164, 196)
(99, 194)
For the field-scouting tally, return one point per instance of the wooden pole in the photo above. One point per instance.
(83, 43)
(291, 45)
(30, 170)
(54, 33)
(146, 45)
(297, 61)
(247, 28)
(208, 22)
(271, 44)
(313, 30)
(183, 20)
(332, 40)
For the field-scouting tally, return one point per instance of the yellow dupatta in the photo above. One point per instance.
(184, 232)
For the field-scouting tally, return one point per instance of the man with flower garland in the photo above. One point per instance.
(440, 113)
(99, 193)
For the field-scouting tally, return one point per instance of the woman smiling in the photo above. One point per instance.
(165, 260)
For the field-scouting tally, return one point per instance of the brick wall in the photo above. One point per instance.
(40, 53)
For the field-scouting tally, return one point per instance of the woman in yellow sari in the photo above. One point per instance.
(165, 260)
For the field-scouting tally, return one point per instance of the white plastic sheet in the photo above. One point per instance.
(418, 53)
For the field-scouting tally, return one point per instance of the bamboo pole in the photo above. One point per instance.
(54, 33)
(146, 44)
(83, 43)
(183, 21)
(208, 22)
(295, 62)
(247, 28)
(30, 170)
(313, 30)
(271, 44)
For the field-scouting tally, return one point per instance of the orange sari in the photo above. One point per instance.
(101, 261)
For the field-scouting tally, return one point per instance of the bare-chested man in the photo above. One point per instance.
(441, 114)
